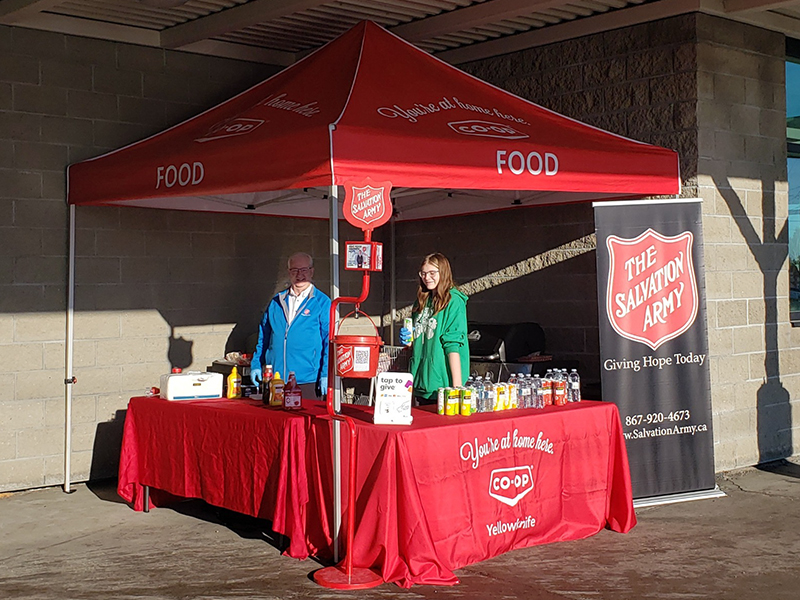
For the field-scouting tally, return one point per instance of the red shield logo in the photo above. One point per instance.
(344, 359)
(367, 206)
(652, 288)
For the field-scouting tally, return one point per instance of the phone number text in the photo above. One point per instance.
(657, 417)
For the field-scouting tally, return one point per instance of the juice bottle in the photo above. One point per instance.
(500, 396)
(276, 390)
(292, 396)
(234, 384)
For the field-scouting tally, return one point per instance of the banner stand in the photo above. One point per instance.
(676, 498)
(654, 344)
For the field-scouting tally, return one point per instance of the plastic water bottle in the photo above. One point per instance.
(478, 394)
(574, 387)
(490, 395)
(537, 391)
(525, 391)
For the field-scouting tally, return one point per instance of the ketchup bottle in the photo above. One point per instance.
(292, 395)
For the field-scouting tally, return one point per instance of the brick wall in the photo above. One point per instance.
(154, 288)
(755, 357)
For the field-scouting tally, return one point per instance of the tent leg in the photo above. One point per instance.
(69, 379)
(337, 432)
(392, 280)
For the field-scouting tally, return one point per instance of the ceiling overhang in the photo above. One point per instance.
(281, 32)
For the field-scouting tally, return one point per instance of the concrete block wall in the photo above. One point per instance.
(157, 288)
(713, 90)
(154, 288)
(639, 82)
(528, 264)
(755, 353)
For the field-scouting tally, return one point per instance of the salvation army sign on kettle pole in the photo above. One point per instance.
(366, 204)
(653, 341)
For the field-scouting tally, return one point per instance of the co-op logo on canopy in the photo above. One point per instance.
(487, 129)
(230, 128)
(510, 485)
(531, 162)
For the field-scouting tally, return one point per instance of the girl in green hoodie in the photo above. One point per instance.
(440, 352)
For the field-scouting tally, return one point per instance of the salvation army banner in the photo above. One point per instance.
(653, 341)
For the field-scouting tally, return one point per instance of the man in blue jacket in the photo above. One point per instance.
(293, 335)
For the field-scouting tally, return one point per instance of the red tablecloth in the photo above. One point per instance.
(435, 496)
(234, 454)
(447, 492)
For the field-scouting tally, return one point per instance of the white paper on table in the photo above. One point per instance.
(393, 394)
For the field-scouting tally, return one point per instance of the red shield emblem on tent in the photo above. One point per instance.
(367, 206)
(652, 288)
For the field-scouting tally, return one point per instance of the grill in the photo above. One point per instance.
(499, 350)
(504, 343)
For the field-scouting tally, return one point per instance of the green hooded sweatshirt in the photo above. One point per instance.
(435, 336)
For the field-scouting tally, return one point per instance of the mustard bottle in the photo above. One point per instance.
(276, 390)
(234, 384)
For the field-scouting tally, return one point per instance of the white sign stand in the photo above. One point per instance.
(393, 395)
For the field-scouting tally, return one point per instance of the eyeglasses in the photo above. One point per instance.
(300, 271)
(426, 274)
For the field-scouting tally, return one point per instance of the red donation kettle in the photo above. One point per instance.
(357, 355)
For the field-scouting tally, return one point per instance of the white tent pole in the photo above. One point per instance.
(337, 400)
(68, 377)
(392, 280)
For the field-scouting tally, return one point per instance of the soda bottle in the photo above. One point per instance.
(265, 384)
(559, 388)
(276, 390)
(574, 386)
(547, 384)
(292, 395)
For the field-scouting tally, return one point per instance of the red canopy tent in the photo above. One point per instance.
(368, 104)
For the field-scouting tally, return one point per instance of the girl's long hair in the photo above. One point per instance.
(441, 295)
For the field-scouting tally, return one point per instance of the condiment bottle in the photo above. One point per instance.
(276, 390)
(234, 384)
(292, 395)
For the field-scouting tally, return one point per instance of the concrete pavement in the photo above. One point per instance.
(89, 545)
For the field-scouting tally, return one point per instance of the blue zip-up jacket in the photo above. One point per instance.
(300, 346)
